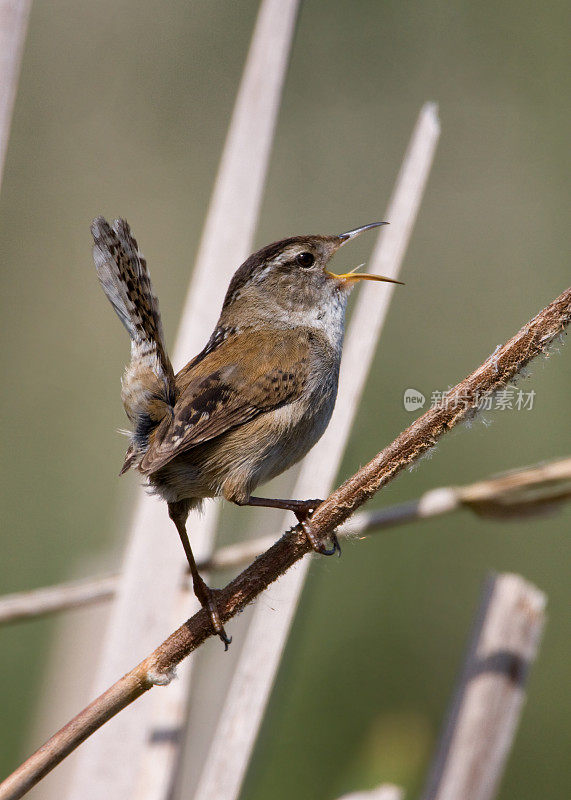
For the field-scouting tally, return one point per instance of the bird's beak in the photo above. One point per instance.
(346, 237)
(360, 276)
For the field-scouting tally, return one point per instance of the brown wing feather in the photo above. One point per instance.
(248, 374)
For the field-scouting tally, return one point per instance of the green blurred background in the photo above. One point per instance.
(122, 110)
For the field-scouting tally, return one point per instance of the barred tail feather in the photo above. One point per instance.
(148, 386)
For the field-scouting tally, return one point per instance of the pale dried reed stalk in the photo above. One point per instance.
(489, 698)
(149, 593)
(13, 24)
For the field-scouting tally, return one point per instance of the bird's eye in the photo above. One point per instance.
(305, 259)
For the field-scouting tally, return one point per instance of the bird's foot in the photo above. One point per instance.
(207, 599)
(303, 513)
(318, 544)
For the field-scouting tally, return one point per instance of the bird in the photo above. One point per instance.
(255, 400)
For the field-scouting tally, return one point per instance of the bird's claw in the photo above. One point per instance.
(336, 546)
(303, 513)
(207, 600)
(318, 544)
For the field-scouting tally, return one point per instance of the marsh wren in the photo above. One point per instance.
(255, 400)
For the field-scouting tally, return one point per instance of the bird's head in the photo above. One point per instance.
(291, 277)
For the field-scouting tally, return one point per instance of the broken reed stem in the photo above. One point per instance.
(23, 606)
(158, 668)
(484, 714)
(517, 494)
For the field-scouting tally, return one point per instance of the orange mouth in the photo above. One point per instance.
(351, 276)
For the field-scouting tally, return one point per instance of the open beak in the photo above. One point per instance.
(360, 276)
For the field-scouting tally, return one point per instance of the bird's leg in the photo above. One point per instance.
(303, 510)
(178, 512)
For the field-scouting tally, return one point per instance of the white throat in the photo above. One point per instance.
(328, 319)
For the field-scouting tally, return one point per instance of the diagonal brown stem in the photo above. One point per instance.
(496, 372)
